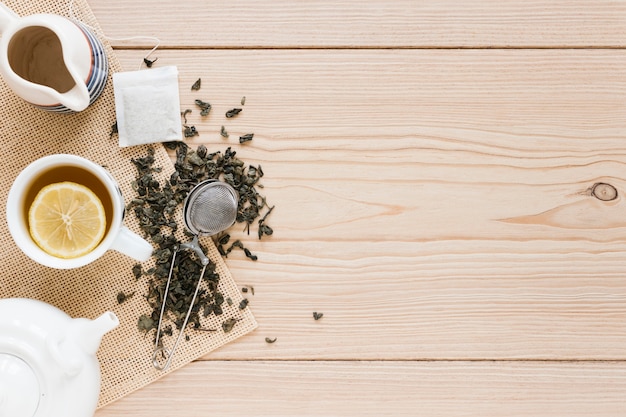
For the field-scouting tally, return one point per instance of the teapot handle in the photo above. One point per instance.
(69, 366)
(7, 16)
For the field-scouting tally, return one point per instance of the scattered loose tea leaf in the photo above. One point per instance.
(228, 324)
(263, 228)
(204, 107)
(268, 340)
(196, 85)
(155, 205)
(317, 315)
(137, 271)
(121, 296)
(233, 112)
(145, 323)
(226, 167)
(114, 130)
(243, 304)
(248, 288)
(246, 138)
(190, 131)
(237, 244)
(223, 132)
(243, 100)
(149, 62)
(171, 145)
(184, 114)
(250, 254)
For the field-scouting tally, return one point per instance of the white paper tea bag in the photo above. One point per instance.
(147, 106)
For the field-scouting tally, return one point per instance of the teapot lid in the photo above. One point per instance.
(19, 387)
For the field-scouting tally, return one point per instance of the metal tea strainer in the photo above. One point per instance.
(210, 208)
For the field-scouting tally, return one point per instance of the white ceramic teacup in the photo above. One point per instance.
(64, 167)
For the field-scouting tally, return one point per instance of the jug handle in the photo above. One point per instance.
(7, 16)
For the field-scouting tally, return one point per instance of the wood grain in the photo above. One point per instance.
(440, 209)
(435, 203)
(382, 388)
(371, 24)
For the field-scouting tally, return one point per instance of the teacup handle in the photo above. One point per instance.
(7, 16)
(131, 244)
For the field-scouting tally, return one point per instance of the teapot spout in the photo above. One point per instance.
(91, 332)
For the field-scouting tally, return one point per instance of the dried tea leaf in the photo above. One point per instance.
(228, 325)
(250, 254)
(205, 107)
(145, 323)
(196, 85)
(137, 271)
(190, 131)
(114, 130)
(263, 228)
(246, 138)
(233, 112)
(184, 114)
(149, 62)
(156, 205)
(122, 296)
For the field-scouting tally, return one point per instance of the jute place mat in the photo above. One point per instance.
(27, 133)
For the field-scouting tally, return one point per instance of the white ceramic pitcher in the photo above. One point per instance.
(50, 61)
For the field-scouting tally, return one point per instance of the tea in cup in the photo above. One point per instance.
(65, 211)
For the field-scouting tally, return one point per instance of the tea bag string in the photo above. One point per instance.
(156, 40)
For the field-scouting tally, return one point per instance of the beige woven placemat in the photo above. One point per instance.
(27, 133)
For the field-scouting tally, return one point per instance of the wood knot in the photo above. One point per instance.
(603, 191)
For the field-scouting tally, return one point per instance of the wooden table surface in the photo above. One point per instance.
(433, 166)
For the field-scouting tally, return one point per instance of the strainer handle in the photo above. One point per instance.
(195, 246)
(131, 244)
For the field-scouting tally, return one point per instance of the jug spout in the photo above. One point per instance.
(90, 333)
(76, 99)
(7, 16)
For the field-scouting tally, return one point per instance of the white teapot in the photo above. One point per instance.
(48, 366)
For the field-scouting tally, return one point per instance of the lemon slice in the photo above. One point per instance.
(67, 220)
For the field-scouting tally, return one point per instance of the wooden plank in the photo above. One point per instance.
(433, 204)
(282, 388)
(384, 138)
(356, 24)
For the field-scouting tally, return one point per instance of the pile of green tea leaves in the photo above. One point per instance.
(156, 205)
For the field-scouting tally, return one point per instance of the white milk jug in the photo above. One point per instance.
(52, 62)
